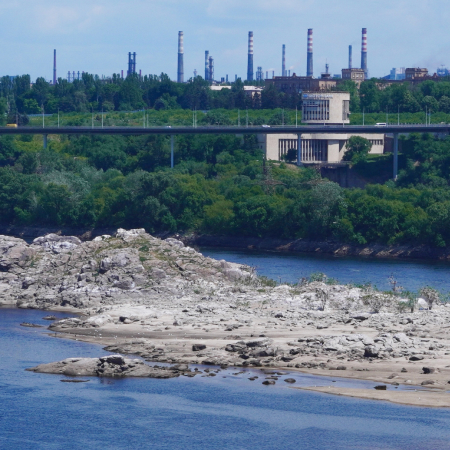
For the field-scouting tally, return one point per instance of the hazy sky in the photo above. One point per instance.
(96, 35)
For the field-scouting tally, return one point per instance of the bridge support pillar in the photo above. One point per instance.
(171, 150)
(299, 151)
(395, 156)
(45, 141)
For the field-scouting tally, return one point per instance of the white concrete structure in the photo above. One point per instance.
(316, 148)
(318, 108)
(326, 108)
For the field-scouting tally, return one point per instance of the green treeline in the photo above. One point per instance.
(90, 93)
(220, 185)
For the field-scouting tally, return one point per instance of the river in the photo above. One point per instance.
(228, 411)
(290, 267)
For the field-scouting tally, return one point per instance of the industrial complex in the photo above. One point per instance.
(285, 82)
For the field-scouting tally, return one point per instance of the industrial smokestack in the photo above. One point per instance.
(283, 62)
(211, 69)
(350, 57)
(250, 57)
(207, 65)
(131, 63)
(310, 67)
(180, 77)
(54, 67)
(364, 53)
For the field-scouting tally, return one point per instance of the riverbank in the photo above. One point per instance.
(319, 247)
(413, 252)
(136, 294)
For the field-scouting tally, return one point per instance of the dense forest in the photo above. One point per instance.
(90, 93)
(219, 185)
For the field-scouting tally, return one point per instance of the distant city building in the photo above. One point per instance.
(415, 73)
(296, 84)
(443, 72)
(250, 91)
(397, 74)
(355, 75)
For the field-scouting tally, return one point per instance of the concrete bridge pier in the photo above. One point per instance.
(45, 141)
(395, 156)
(171, 150)
(299, 150)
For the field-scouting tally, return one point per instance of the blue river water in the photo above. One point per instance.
(38, 411)
(290, 267)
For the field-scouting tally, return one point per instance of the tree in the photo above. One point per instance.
(370, 96)
(357, 149)
(444, 104)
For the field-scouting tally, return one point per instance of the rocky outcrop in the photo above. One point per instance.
(167, 303)
(64, 271)
(115, 366)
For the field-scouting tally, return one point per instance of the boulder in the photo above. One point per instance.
(174, 242)
(198, 347)
(428, 370)
(416, 358)
(371, 351)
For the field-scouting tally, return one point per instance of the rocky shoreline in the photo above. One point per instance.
(158, 299)
(421, 252)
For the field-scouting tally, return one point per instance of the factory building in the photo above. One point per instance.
(355, 75)
(295, 84)
(415, 73)
(331, 109)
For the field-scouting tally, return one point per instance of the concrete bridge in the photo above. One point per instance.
(396, 130)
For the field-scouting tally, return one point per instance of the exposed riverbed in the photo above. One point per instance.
(37, 411)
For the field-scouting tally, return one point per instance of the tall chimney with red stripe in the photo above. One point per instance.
(364, 53)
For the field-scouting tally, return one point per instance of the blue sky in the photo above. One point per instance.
(96, 35)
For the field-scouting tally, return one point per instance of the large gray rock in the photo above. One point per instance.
(108, 366)
(57, 244)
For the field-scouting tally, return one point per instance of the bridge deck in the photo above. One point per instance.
(328, 129)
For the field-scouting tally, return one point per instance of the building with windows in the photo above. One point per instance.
(295, 84)
(316, 148)
(355, 75)
(416, 73)
(318, 108)
(326, 108)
